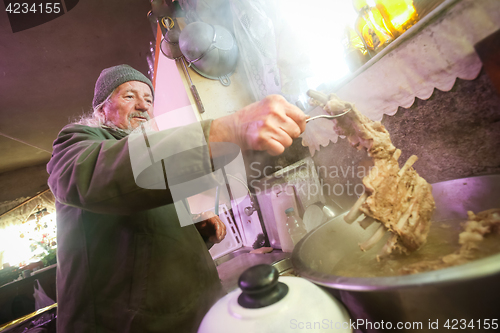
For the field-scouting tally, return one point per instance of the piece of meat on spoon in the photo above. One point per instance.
(396, 197)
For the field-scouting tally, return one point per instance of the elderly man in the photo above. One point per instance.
(124, 262)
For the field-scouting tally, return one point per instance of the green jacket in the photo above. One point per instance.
(124, 262)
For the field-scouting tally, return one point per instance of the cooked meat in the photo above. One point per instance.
(402, 201)
(479, 225)
(476, 227)
(398, 198)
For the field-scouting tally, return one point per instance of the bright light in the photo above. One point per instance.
(319, 27)
(17, 249)
(14, 248)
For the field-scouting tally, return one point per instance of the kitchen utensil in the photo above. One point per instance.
(329, 116)
(217, 194)
(303, 176)
(329, 210)
(267, 302)
(468, 292)
(284, 266)
(192, 87)
(210, 50)
(169, 46)
(313, 217)
(323, 98)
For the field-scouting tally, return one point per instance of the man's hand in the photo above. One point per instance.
(269, 125)
(211, 227)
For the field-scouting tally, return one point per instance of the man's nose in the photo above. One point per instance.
(142, 104)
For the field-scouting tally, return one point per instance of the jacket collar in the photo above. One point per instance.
(116, 132)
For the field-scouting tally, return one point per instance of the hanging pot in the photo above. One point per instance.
(210, 50)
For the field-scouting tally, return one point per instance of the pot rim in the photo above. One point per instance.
(480, 268)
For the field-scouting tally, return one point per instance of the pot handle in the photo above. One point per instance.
(260, 287)
(224, 80)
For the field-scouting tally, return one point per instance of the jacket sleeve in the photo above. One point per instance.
(92, 170)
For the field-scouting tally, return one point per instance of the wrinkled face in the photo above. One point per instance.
(130, 105)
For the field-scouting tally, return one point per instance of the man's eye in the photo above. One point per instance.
(129, 96)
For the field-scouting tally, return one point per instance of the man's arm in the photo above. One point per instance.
(269, 125)
(93, 171)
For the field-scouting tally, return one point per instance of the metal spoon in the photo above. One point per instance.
(328, 116)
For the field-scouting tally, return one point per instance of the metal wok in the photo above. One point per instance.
(467, 294)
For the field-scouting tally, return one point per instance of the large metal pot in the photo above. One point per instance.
(466, 296)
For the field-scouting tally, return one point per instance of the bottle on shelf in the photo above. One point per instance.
(355, 52)
(295, 226)
(401, 14)
(371, 26)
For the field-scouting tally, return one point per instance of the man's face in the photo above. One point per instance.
(130, 105)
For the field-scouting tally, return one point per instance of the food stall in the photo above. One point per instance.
(432, 85)
(438, 98)
(28, 256)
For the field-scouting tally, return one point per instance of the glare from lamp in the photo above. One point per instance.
(319, 28)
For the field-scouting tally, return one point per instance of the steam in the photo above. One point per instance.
(286, 46)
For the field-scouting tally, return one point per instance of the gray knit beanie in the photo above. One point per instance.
(112, 77)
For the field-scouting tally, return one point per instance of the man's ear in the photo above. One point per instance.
(102, 112)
